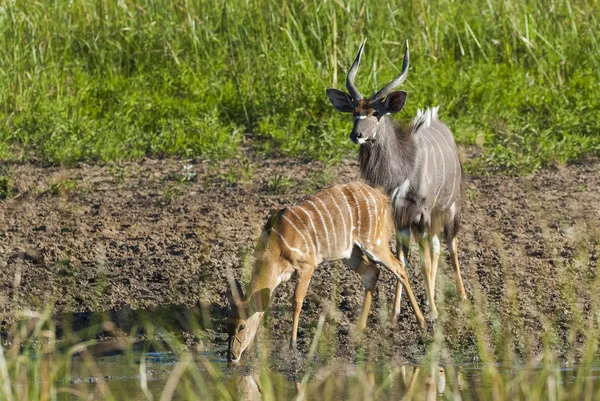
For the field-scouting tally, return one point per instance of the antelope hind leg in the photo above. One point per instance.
(435, 258)
(385, 257)
(452, 244)
(425, 251)
(370, 274)
(403, 248)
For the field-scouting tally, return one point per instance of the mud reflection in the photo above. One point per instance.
(336, 381)
(364, 383)
(248, 388)
(434, 382)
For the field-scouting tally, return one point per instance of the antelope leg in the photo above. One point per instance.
(435, 257)
(403, 248)
(453, 248)
(370, 274)
(425, 250)
(304, 274)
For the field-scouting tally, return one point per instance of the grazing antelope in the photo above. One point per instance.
(418, 166)
(351, 222)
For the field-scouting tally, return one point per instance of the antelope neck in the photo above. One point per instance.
(390, 158)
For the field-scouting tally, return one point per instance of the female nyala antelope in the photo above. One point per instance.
(418, 166)
(351, 222)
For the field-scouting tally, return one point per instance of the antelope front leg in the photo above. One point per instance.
(425, 250)
(304, 274)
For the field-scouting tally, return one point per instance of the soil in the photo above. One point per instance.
(159, 238)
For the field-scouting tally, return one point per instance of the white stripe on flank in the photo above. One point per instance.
(350, 214)
(443, 164)
(324, 226)
(286, 243)
(298, 231)
(353, 185)
(376, 207)
(368, 209)
(341, 215)
(335, 244)
(455, 164)
(318, 243)
(312, 244)
(434, 164)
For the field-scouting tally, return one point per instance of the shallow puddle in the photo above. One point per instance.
(208, 376)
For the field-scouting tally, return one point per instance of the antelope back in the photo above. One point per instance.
(327, 225)
(438, 162)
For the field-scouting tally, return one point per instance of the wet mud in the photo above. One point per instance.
(158, 239)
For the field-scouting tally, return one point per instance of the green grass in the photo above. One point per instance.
(99, 80)
(35, 365)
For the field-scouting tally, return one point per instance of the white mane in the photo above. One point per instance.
(425, 117)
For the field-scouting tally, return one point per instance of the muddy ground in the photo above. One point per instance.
(161, 236)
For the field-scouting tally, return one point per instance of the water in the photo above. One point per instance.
(209, 376)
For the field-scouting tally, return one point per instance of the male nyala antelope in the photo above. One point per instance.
(418, 166)
(351, 222)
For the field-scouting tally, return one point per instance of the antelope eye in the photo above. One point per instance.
(242, 327)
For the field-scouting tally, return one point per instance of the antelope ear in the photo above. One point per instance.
(340, 100)
(235, 293)
(260, 300)
(394, 102)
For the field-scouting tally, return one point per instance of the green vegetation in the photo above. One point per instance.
(35, 365)
(4, 186)
(171, 351)
(102, 80)
(280, 184)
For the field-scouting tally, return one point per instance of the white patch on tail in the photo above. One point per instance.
(425, 117)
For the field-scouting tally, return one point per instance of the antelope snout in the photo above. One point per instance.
(355, 136)
(231, 357)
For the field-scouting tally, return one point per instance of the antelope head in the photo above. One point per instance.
(368, 112)
(244, 318)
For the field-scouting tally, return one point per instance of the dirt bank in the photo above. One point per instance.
(167, 232)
